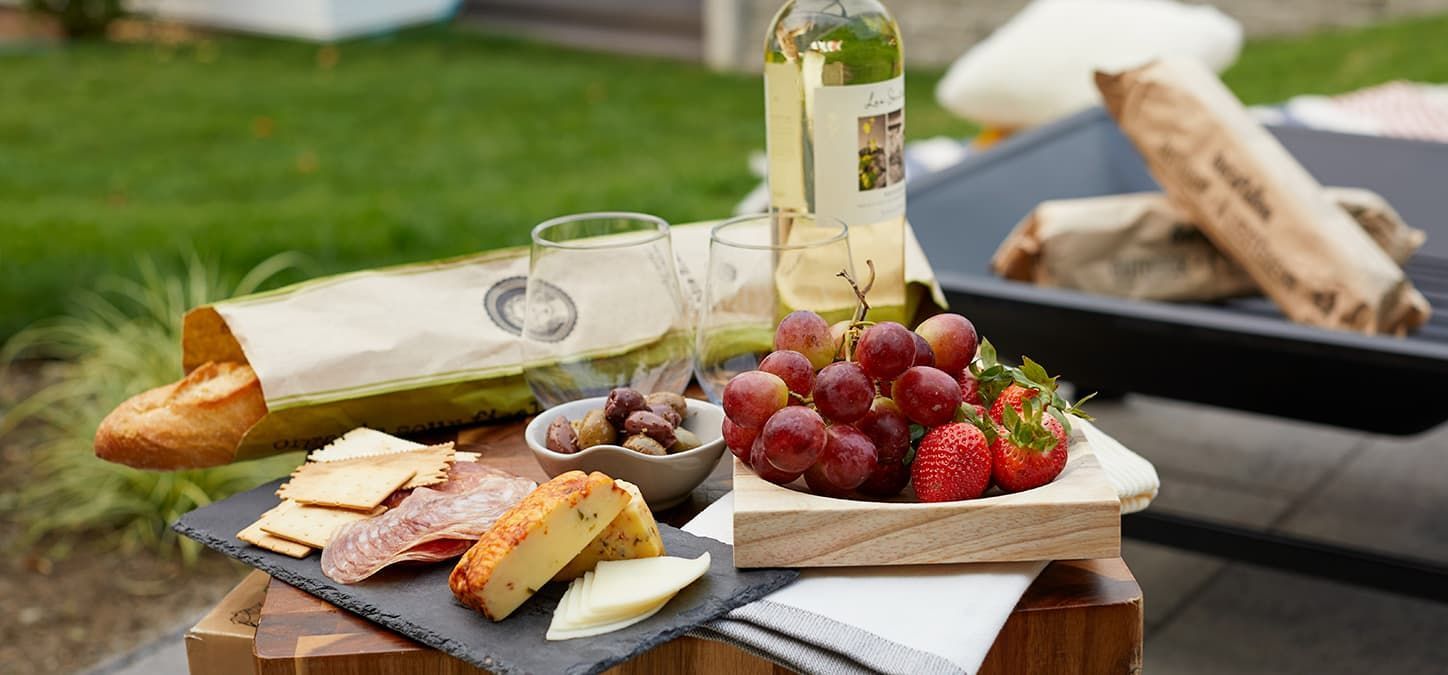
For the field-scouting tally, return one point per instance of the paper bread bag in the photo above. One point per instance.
(1256, 203)
(1139, 246)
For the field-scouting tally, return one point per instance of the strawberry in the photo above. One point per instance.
(1027, 451)
(1014, 396)
(969, 386)
(952, 463)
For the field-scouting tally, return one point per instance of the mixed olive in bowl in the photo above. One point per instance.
(651, 425)
(664, 443)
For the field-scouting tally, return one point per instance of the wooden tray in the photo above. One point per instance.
(1076, 516)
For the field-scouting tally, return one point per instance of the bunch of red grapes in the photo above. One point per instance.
(835, 404)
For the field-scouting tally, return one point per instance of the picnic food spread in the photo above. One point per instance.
(370, 500)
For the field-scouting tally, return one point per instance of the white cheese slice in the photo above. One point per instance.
(362, 442)
(565, 627)
(623, 588)
(561, 633)
(564, 610)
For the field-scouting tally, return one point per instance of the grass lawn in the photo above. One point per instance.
(430, 143)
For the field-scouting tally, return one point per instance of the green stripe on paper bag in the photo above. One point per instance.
(405, 411)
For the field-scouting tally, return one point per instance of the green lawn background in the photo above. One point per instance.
(429, 143)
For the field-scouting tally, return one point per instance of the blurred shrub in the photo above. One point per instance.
(119, 340)
(79, 18)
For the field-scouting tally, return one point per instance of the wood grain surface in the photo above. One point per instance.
(1076, 516)
(1078, 617)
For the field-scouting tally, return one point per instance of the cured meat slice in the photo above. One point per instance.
(429, 524)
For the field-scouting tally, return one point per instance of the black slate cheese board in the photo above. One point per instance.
(414, 599)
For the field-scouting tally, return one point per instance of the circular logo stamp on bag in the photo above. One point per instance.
(506, 302)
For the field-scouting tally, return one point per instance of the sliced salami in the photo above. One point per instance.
(428, 524)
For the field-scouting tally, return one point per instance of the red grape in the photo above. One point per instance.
(793, 368)
(888, 479)
(885, 350)
(927, 395)
(924, 355)
(764, 469)
(793, 438)
(888, 428)
(848, 459)
(952, 339)
(739, 439)
(752, 396)
(843, 392)
(808, 334)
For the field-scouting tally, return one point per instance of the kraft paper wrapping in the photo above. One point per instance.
(1139, 246)
(1256, 203)
(434, 345)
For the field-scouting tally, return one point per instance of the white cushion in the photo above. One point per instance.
(1038, 66)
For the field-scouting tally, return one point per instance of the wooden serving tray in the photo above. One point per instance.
(1076, 516)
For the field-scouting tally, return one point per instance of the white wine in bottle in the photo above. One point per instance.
(834, 90)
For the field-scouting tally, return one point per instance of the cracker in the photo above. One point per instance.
(434, 471)
(347, 484)
(465, 456)
(362, 442)
(363, 482)
(253, 534)
(310, 525)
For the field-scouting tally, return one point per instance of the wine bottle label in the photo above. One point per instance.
(785, 128)
(859, 151)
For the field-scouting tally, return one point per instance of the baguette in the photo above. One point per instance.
(197, 422)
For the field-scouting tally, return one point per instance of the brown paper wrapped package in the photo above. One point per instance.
(1139, 246)
(1256, 203)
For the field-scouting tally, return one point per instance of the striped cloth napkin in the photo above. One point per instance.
(913, 619)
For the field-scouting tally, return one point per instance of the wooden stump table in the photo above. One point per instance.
(1078, 617)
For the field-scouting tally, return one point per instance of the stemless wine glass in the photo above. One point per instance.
(604, 309)
(758, 272)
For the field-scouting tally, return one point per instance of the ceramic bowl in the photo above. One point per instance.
(664, 480)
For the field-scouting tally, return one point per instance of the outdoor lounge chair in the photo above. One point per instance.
(1240, 354)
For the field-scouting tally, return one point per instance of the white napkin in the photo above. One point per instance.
(895, 619)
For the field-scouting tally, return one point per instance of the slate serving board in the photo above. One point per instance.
(415, 600)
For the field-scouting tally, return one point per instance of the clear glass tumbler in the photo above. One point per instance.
(604, 309)
(754, 280)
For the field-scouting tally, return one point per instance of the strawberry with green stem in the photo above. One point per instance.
(1001, 386)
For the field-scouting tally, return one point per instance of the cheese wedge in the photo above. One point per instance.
(535, 539)
(618, 589)
(633, 534)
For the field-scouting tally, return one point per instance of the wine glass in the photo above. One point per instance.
(759, 270)
(604, 309)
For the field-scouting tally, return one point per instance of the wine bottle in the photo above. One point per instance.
(834, 85)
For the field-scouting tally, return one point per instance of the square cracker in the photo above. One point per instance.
(353, 484)
(362, 442)
(253, 534)
(428, 473)
(309, 525)
(358, 483)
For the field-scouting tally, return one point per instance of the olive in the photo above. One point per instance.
(561, 437)
(645, 445)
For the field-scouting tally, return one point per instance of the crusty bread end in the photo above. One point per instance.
(197, 422)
